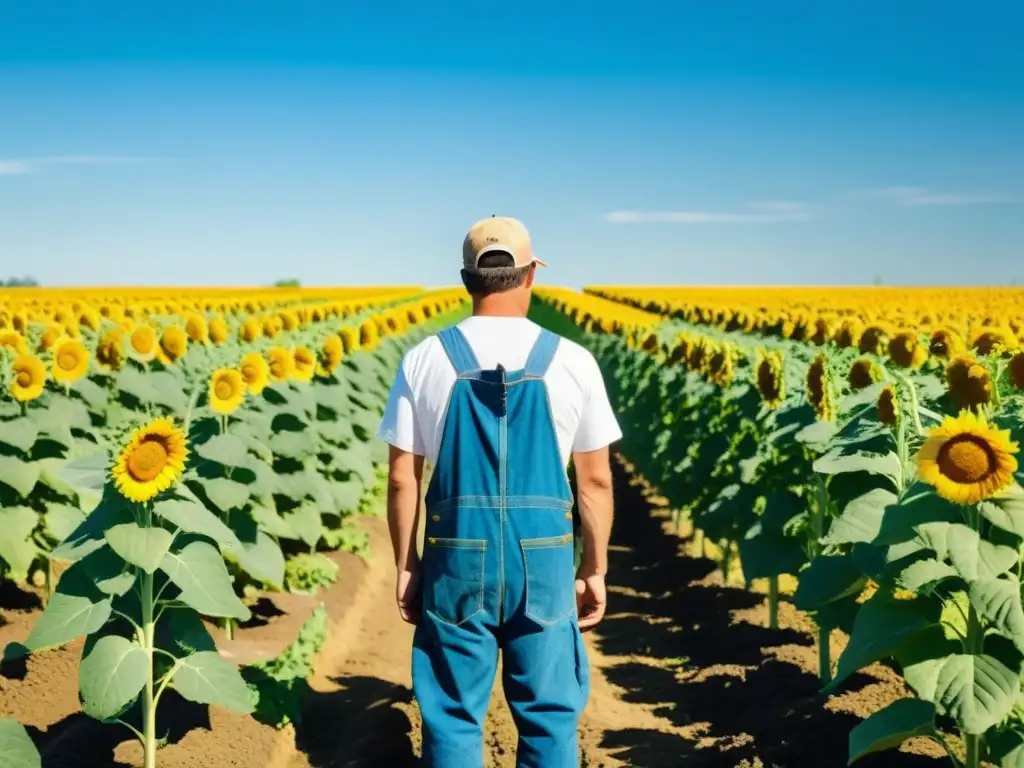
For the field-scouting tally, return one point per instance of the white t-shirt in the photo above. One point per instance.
(414, 417)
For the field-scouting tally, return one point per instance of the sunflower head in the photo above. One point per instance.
(874, 339)
(70, 360)
(349, 339)
(330, 356)
(14, 341)
(698, 357)
(255, 372)
(679, 352)
(969, 384)
(218, 329)
(173, 344)
(305, 364)
(28, 377)
(250, 330)
(227, 390)
(966, 459)
(823, 331)
(144, 343)
(819, 390)
(281, 363)
(864, 373)
(196, 328)
(271, 326)
(721, 364)
(906, 351)
(110, 349)
(945, 342)
(849, 333)
(151, 462)
(1017, 369)
(770, 381)
(50, 335)
(368, 335)
(889, 406)
(993, 340)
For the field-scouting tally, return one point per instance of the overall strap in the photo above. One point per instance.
(458, 350)
(542, 354)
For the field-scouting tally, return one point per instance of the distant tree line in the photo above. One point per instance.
(19, 282)
(291, 282)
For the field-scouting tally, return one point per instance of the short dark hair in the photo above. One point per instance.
(495, 273)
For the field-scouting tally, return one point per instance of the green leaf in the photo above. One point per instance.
(826, 579)
(21, 476)
(142, 547)
(835, 463)
(1005, 748)
(206, 678)
(61, 520)
(112, 510)
(76, 608)
(305, 521)
(88, 473)
(225, 494)
(263, 560)
(922, 575)
(271, 522)
(108, 571)
(294, 445)
(889, 727)
(972, 557)
(187, 632)
(16, 746)
(16, 546)
(111, 675)
(185, 511)
(1006, 510)
(227, 449)
(20, 433)
(198, 570)
(861, 520)
(999, 601)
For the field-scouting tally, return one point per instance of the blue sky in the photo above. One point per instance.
(664, 142)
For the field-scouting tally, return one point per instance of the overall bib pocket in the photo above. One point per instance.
(550, 578)
(454, 575)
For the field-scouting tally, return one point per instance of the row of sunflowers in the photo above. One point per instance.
(891, 492)
(162, 465)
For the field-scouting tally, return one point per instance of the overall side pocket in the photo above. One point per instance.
(454, 576)
(550, 578)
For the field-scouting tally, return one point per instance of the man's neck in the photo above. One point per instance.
(493, 307)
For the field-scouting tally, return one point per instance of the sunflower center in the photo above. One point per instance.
(148, 460)
(223, 389)
(24, 378)
(249, 373)
(67, 361)
(966, 459)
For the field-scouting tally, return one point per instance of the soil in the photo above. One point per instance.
(684, 672)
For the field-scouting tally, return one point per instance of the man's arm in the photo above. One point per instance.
(405, 474)
(594, 492)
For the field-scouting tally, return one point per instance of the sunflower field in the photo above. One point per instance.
(860, 443)
(167, 455)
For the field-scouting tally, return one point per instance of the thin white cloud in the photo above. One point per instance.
(26, 165)
(757, 213)
(922, 196)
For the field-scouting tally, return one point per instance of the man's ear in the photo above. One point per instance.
(530, 275)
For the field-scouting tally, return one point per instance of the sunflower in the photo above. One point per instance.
(679, 352)
(849, 333)
(151, 462)
(271, 326)
(888, 406)
(968, 382)
(28, 378)
(349, 339)
(49, 337)
(173, 344)
(993, 341)
(255, 372)
(227, 390)
(864, 373)
(945, 342)
(196, 328)
(14, 341)
(769, 377)
(305, 364)
(906, 351)
(110, 349)
(873, 340)
(368, 335)
(70, 360)
(720, 365)
(823, 331)
(250, 330)
(143, 342)
(330, 356)
(218, 329)
(818, 389)
(967, 460)
(281, 363)
(1017, 370)
(698, 355)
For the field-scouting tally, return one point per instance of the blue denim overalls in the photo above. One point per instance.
(498, 571)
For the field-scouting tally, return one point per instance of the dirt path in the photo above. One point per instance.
(684, 672)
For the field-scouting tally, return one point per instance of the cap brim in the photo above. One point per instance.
(498, 248)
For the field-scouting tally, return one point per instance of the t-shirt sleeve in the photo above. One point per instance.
(598, 426)
(398, 426)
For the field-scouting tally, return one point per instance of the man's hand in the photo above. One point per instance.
(407, 594)
(591, 600)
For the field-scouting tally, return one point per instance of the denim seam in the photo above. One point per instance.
(480, 596)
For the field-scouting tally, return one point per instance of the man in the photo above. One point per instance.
(497, 406)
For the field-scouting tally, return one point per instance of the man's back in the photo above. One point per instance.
(580, 409)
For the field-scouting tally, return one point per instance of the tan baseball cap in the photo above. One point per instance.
(498, 234)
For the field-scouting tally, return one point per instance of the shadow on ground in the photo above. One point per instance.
(746, 707)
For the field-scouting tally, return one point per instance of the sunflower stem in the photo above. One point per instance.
(149, 741)
(913, 404)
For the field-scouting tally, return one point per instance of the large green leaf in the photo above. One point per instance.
(197, 569)
(19, 475)
(227, 449)
(861, 519)
(77, 608)
(108, 571)
(17, 548)
(61, 520)
(305, 521)
(1006, 510)
(225, 494)
(207, 678)
(263, 560)
(112, 510)
(140, 546)
(826, 579)
(974, 557)
(271, 522)
(999, 601)
(890, 726)
(835, 462)
(1005, 748)
(185, 511)
(922, 575)
(16, 747)
(20, 433)
(111, 675)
